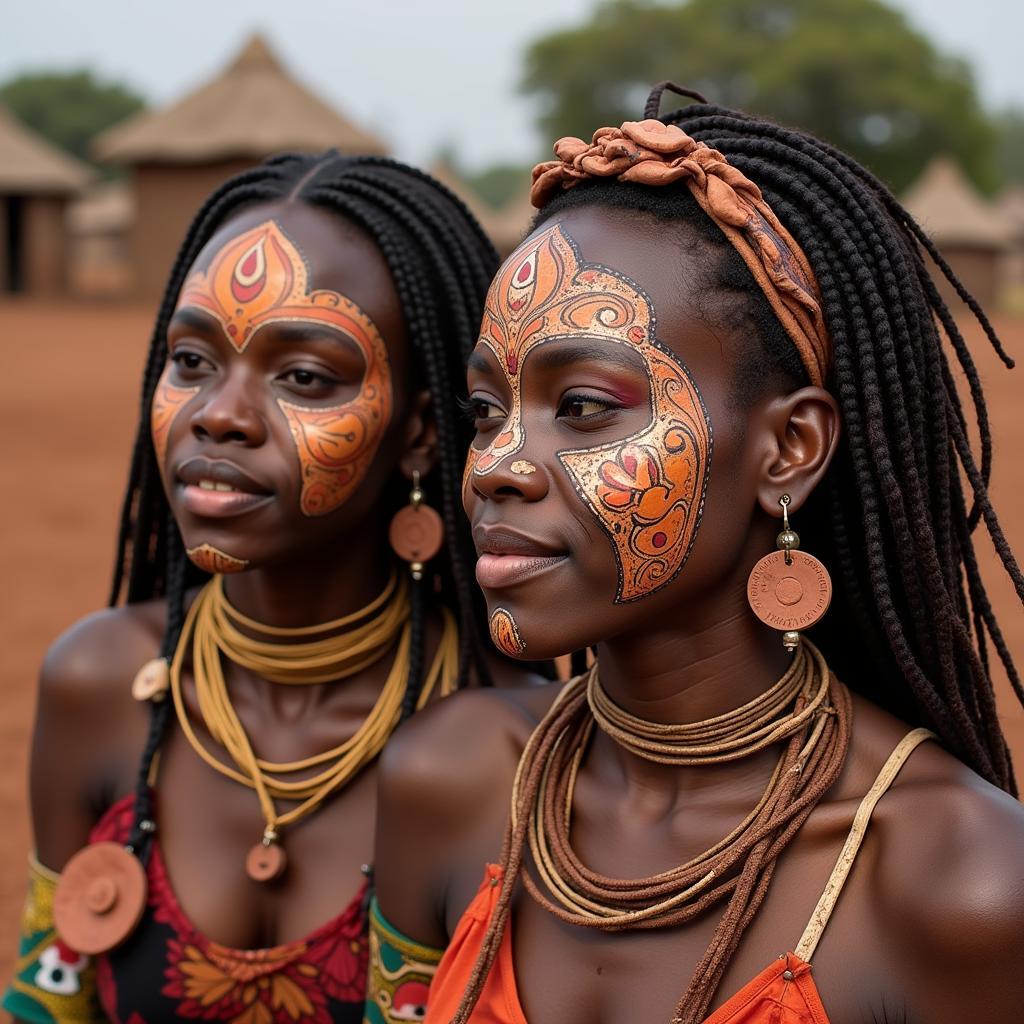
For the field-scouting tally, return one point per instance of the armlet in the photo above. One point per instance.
(400, 974)
(52, 984)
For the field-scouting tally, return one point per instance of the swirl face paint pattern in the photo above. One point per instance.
(646, 490)
(261, 278)
(168, 401)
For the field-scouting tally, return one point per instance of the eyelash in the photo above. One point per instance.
(470, 407)
(605, 405)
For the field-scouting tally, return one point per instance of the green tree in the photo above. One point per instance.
(499, 183)
(1010, 129)
(69, 108)
(853, 72)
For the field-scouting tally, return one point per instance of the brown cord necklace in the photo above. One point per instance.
(298, 656)
(807, 710)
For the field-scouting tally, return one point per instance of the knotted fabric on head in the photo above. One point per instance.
(652, 153)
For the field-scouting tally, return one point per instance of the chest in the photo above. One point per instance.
(568, 974)
(207, 826)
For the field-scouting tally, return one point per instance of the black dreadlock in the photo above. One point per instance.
(891, 521)
(441, 263)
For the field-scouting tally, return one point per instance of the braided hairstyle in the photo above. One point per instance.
(911, 625)
(441, 263)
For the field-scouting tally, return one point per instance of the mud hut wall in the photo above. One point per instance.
(980, 270)
(45, 246)
(167, 197)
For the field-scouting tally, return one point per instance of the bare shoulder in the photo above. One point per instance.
(444, 785)
(950, 886)
(462, 745)
(96, 657)
(88, 730)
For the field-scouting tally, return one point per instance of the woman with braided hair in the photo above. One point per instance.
(719, 443)
(204, 754)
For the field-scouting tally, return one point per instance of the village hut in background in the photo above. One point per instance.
(36, 182)
(99, 224)
(178, 154)
(970, 233)
(1010, 207)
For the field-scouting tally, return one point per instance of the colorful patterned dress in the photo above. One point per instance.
(168, 971)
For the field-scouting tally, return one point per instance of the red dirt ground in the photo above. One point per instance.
(67, 416)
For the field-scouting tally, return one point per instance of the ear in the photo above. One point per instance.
(803, 437)
(419, 442)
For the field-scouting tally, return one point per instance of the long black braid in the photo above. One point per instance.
(911, 623)
(441, 263)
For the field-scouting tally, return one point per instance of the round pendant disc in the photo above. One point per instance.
(416, 533)
(265, 862)
(789, 597)
(100, 898)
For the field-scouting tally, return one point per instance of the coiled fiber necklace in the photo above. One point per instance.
(299, 656)
(808, 711)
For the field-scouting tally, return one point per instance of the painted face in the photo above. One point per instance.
(646, 490)
(261, 278)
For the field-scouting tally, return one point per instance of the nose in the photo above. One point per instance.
(230, 414)
(514, 476)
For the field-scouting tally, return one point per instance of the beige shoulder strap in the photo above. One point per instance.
(823, 911)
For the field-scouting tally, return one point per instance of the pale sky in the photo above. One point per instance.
(418, 74)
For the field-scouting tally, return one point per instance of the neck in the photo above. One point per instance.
(322, 586)
(670, 674)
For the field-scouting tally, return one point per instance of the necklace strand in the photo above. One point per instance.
(209, 643)
(807, 710)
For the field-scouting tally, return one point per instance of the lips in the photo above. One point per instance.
(507, 557)
(215, 488)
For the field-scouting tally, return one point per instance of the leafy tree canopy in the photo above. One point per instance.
(1010, 127)
(853, 72)
(69, 108)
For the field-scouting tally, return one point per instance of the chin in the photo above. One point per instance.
(213, 559)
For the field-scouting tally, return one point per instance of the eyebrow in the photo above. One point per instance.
(478, 360)
(554, 357)
(194, 320)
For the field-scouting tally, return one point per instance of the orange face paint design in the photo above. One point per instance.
(168, 401)
(505, 633)
(261, 278)
(647, 490)
(213, 560)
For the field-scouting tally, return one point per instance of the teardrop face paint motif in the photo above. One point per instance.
(250, 274)
(261, 278)
(647, 490)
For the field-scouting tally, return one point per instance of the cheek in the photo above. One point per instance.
(647, 491)
(168, 401)
(336, 446)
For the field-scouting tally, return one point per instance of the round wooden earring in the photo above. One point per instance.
(788, 589)
(417, 531)
(100, 898)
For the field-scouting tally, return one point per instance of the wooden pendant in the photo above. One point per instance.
(100, 898)
(152, 681)
(265, 862)
(790, 597)
(416, 533)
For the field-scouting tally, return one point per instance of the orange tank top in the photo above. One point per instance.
(783, 993)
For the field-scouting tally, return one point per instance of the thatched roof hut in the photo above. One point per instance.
(178, 154)
(966, 227)
(36, 181)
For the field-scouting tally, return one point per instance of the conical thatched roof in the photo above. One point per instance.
(949, 208)
(252, 109)
(30, 165)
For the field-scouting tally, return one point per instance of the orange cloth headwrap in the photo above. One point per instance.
(652, 153)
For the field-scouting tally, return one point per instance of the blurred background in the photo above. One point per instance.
(117, 119)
